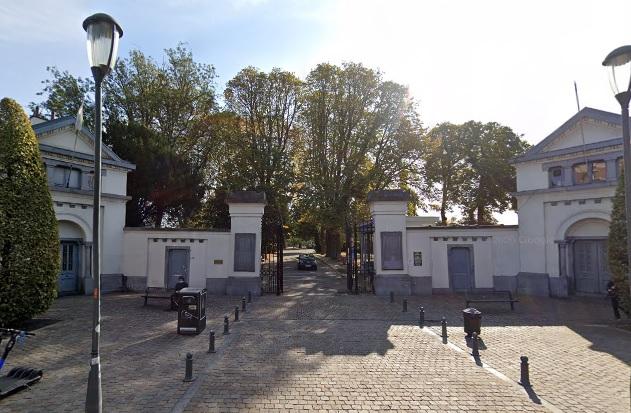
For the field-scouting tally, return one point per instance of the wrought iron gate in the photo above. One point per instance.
(272, 243)
(360, 259)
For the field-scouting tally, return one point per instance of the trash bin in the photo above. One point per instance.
(191, 311)
(472, 321)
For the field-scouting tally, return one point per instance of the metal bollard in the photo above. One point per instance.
(211, 342)
(243, 304)
(188, 372)
(391, 296)
(249, 296)
(421, 317)
(525, 374)
(236, 313)
(475, 350)
(405, 305)
(226, 326)
(443, 324)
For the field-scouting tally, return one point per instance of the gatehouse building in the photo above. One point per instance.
(565, 188)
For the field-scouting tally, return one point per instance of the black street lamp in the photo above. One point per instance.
(618, 63)
(103, 34)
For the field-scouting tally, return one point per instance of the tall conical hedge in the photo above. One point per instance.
(29, 240)
(617, 246)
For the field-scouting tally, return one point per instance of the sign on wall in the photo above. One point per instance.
(418, 258)
(244, 250)
(391, 250)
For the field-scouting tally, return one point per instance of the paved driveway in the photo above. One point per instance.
(316, 348)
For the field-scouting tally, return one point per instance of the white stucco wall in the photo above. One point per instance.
(77, 209)
(114, 181)
(593, 131)
(497, 254)
(66, 138)
(245, 219)
(145, 254)
(530, 175)
(389, 216)
(545, 218)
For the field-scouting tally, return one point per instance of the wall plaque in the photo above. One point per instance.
(418, 258)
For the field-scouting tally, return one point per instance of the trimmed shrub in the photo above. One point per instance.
(617, 247)
(29, 240)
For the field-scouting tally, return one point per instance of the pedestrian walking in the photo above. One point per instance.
(612, 292)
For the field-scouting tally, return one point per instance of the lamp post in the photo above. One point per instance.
(103, 34)
(618, 63)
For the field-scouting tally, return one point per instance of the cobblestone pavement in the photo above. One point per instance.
(317, 348)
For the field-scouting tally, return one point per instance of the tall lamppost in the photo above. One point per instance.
(618, 63)
(103, 34)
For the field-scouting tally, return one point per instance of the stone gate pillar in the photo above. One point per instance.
(244, 266)
(388, 209)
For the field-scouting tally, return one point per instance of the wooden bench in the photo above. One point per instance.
(158, 293)
(499, 296)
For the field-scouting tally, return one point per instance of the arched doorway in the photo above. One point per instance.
(589, 264)
(71, 243)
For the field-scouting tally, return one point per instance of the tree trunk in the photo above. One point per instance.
(320, 242)
(443, 208)
(480, 205)
(332, 243)
(471, 216)
(159, 217)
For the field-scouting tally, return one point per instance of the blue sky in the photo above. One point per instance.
(484, 60)
(492, 60)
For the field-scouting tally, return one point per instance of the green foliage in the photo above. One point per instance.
(617, 247)
(267, 105)
(157, 117)
(359, 133)
(489, 178)
(29, 242)
(315, 147)
(443, 166)
(64, 94)
(214, 212)
(469, 166)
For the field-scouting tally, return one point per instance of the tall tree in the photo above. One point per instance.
(267, 105)
(443, 166)
(360, 133)
(29, 242)
(157, 117)
(489, 178)
(63, 96)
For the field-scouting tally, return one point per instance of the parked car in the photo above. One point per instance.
(307, 262)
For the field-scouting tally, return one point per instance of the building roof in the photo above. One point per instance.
(538, 151)
(458, 226)
(388, 195)
(63, 122)
(246, 197)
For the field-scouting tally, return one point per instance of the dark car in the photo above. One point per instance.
(307, 262)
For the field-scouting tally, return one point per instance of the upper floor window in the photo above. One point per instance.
(556, 176)
(599, 171)
(580, 173)
(620, 166)
(67, 177)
